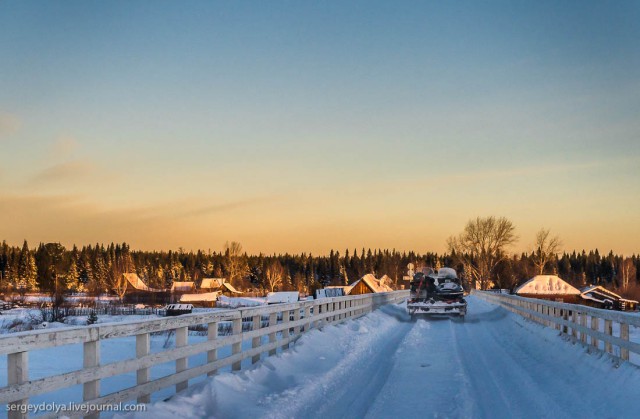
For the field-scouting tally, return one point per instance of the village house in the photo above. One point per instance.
(600, 297)
(137, 292)
(369, 284)
(549, 287)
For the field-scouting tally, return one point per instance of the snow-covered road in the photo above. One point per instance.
(493, 365)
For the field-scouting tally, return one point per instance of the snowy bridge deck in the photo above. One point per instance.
(494, 364)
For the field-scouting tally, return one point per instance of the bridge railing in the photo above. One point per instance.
(603, 330)
(271, 328)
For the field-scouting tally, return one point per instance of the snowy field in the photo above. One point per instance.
(493, 365)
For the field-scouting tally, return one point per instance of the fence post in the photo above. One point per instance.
(143, 374)
(565, 317)
(595, 325)
(212, 354)
(296, 317)
(583, 323)
(255, 341)
(91, 389)
(17, 373)
(608, 330)
(181, 363)
(574, 321)
(624, 335)
(307, 317)
(236, 348)
(285, 332)
(273, 320)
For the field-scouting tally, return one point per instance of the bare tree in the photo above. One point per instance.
(120, 286)
(273, 275)
(546, 248)
(627, 271)
(237, 267)
(481, 247)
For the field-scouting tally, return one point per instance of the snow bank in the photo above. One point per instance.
(236, 302)
(285, 385)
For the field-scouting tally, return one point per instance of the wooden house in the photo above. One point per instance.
(178, 288)
(220, 285)
(368, 284)
(211, 284)
(228, 290)
(203, 299)
(549, 287)
(137, 292)
(600, 297)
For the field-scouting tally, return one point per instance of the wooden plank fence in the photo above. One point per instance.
(282, 324)
(589, 326)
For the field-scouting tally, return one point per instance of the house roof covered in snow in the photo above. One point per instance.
(230, 288)
(600, 294)
(134, 280)
(211, 283)
(376, 285)
(182, 286)
(547, 285)
(193, 298)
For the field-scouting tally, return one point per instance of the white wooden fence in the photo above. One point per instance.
(296, 318)
(590, 326)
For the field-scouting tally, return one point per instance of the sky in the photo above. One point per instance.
(296, 126)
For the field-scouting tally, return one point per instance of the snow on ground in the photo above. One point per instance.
(21, 319)
(495, 364)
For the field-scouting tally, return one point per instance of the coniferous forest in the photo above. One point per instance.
(95, 269)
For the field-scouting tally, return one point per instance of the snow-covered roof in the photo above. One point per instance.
(182, 286)
(206, 296)
(283, 297)
(547, 285)
(211, 283)
(373, 283)
(138, 283)
(599, 290)
(230, 287)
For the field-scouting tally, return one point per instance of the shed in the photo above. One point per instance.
(600, 297)
(549, 287)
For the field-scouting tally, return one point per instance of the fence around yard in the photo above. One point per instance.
(272, 328)
(593, 327)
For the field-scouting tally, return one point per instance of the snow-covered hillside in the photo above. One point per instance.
(493, 365)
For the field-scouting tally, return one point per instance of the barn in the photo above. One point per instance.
(549, 287)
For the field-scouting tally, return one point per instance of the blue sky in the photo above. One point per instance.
(302, 126)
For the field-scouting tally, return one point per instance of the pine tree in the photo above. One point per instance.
(27, 271)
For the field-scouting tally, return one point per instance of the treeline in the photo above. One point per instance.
(51, 268)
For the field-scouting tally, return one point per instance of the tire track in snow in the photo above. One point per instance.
(347, 390)
(427, 379)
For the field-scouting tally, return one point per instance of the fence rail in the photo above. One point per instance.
(587, 325)
(281, 325)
